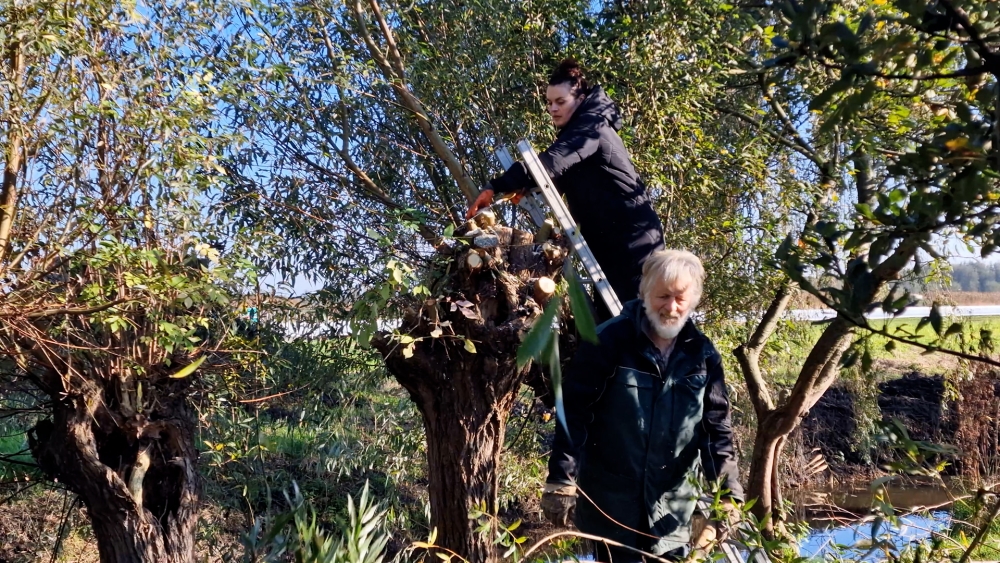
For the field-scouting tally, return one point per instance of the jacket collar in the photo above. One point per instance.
(598, 105)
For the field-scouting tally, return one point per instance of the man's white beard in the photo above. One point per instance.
(666, 328)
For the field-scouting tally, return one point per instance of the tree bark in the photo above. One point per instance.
(13, 161)
(98, 454)
(818, 373)
(762, 467)
(463, 458)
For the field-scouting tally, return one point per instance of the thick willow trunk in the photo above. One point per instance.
(463, 456)
(465, 397)
(136, 477)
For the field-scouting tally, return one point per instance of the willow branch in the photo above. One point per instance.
(748, 354)
(787, 121)
(66, 310)
(774, 135)
(394, 73)
(540, 543)
(14, 162)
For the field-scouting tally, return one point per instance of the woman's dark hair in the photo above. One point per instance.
(569, 71)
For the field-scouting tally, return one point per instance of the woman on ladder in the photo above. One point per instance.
(589, 164)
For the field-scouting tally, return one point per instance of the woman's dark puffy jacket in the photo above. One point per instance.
(589, 164)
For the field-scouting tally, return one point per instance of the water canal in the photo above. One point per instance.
(841, 522)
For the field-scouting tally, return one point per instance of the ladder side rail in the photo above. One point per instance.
(532, 202)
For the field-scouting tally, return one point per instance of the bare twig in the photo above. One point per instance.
(787, 121)
(540, 543)
(775, 136)
(963, 20)
(276, 395)
(19, 491)
(64, 525)
(67, 310)
(393, 73)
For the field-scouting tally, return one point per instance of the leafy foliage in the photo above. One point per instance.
(297, 534)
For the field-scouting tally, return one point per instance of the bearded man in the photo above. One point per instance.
(646, 406)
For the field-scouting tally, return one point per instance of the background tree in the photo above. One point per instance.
(890, 109)
(114, 288)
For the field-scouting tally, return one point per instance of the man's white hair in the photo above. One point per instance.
(669, 266)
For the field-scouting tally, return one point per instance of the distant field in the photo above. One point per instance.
(807, 301)
(961, 298)
(912, 358)
(786, 356)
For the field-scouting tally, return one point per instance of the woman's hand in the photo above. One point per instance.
(485, 199)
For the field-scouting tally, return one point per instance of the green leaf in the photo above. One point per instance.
(188, 369)
(865, 210)
(937, 321)
(849, 359)
(821, 100)
(580, 305)
(551, 354)
(866, 360)
(539, 335)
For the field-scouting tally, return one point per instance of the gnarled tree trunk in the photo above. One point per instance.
(135, 472)
(464, 396)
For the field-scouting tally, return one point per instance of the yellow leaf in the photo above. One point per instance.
(957, 143)
(188, 369)
(469, 346)
(408, 350)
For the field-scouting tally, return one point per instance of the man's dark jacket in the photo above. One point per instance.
(639, 431)
(589, 164)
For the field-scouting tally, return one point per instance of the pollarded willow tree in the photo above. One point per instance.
(890, 110)
(113, 293)
(374, 125)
